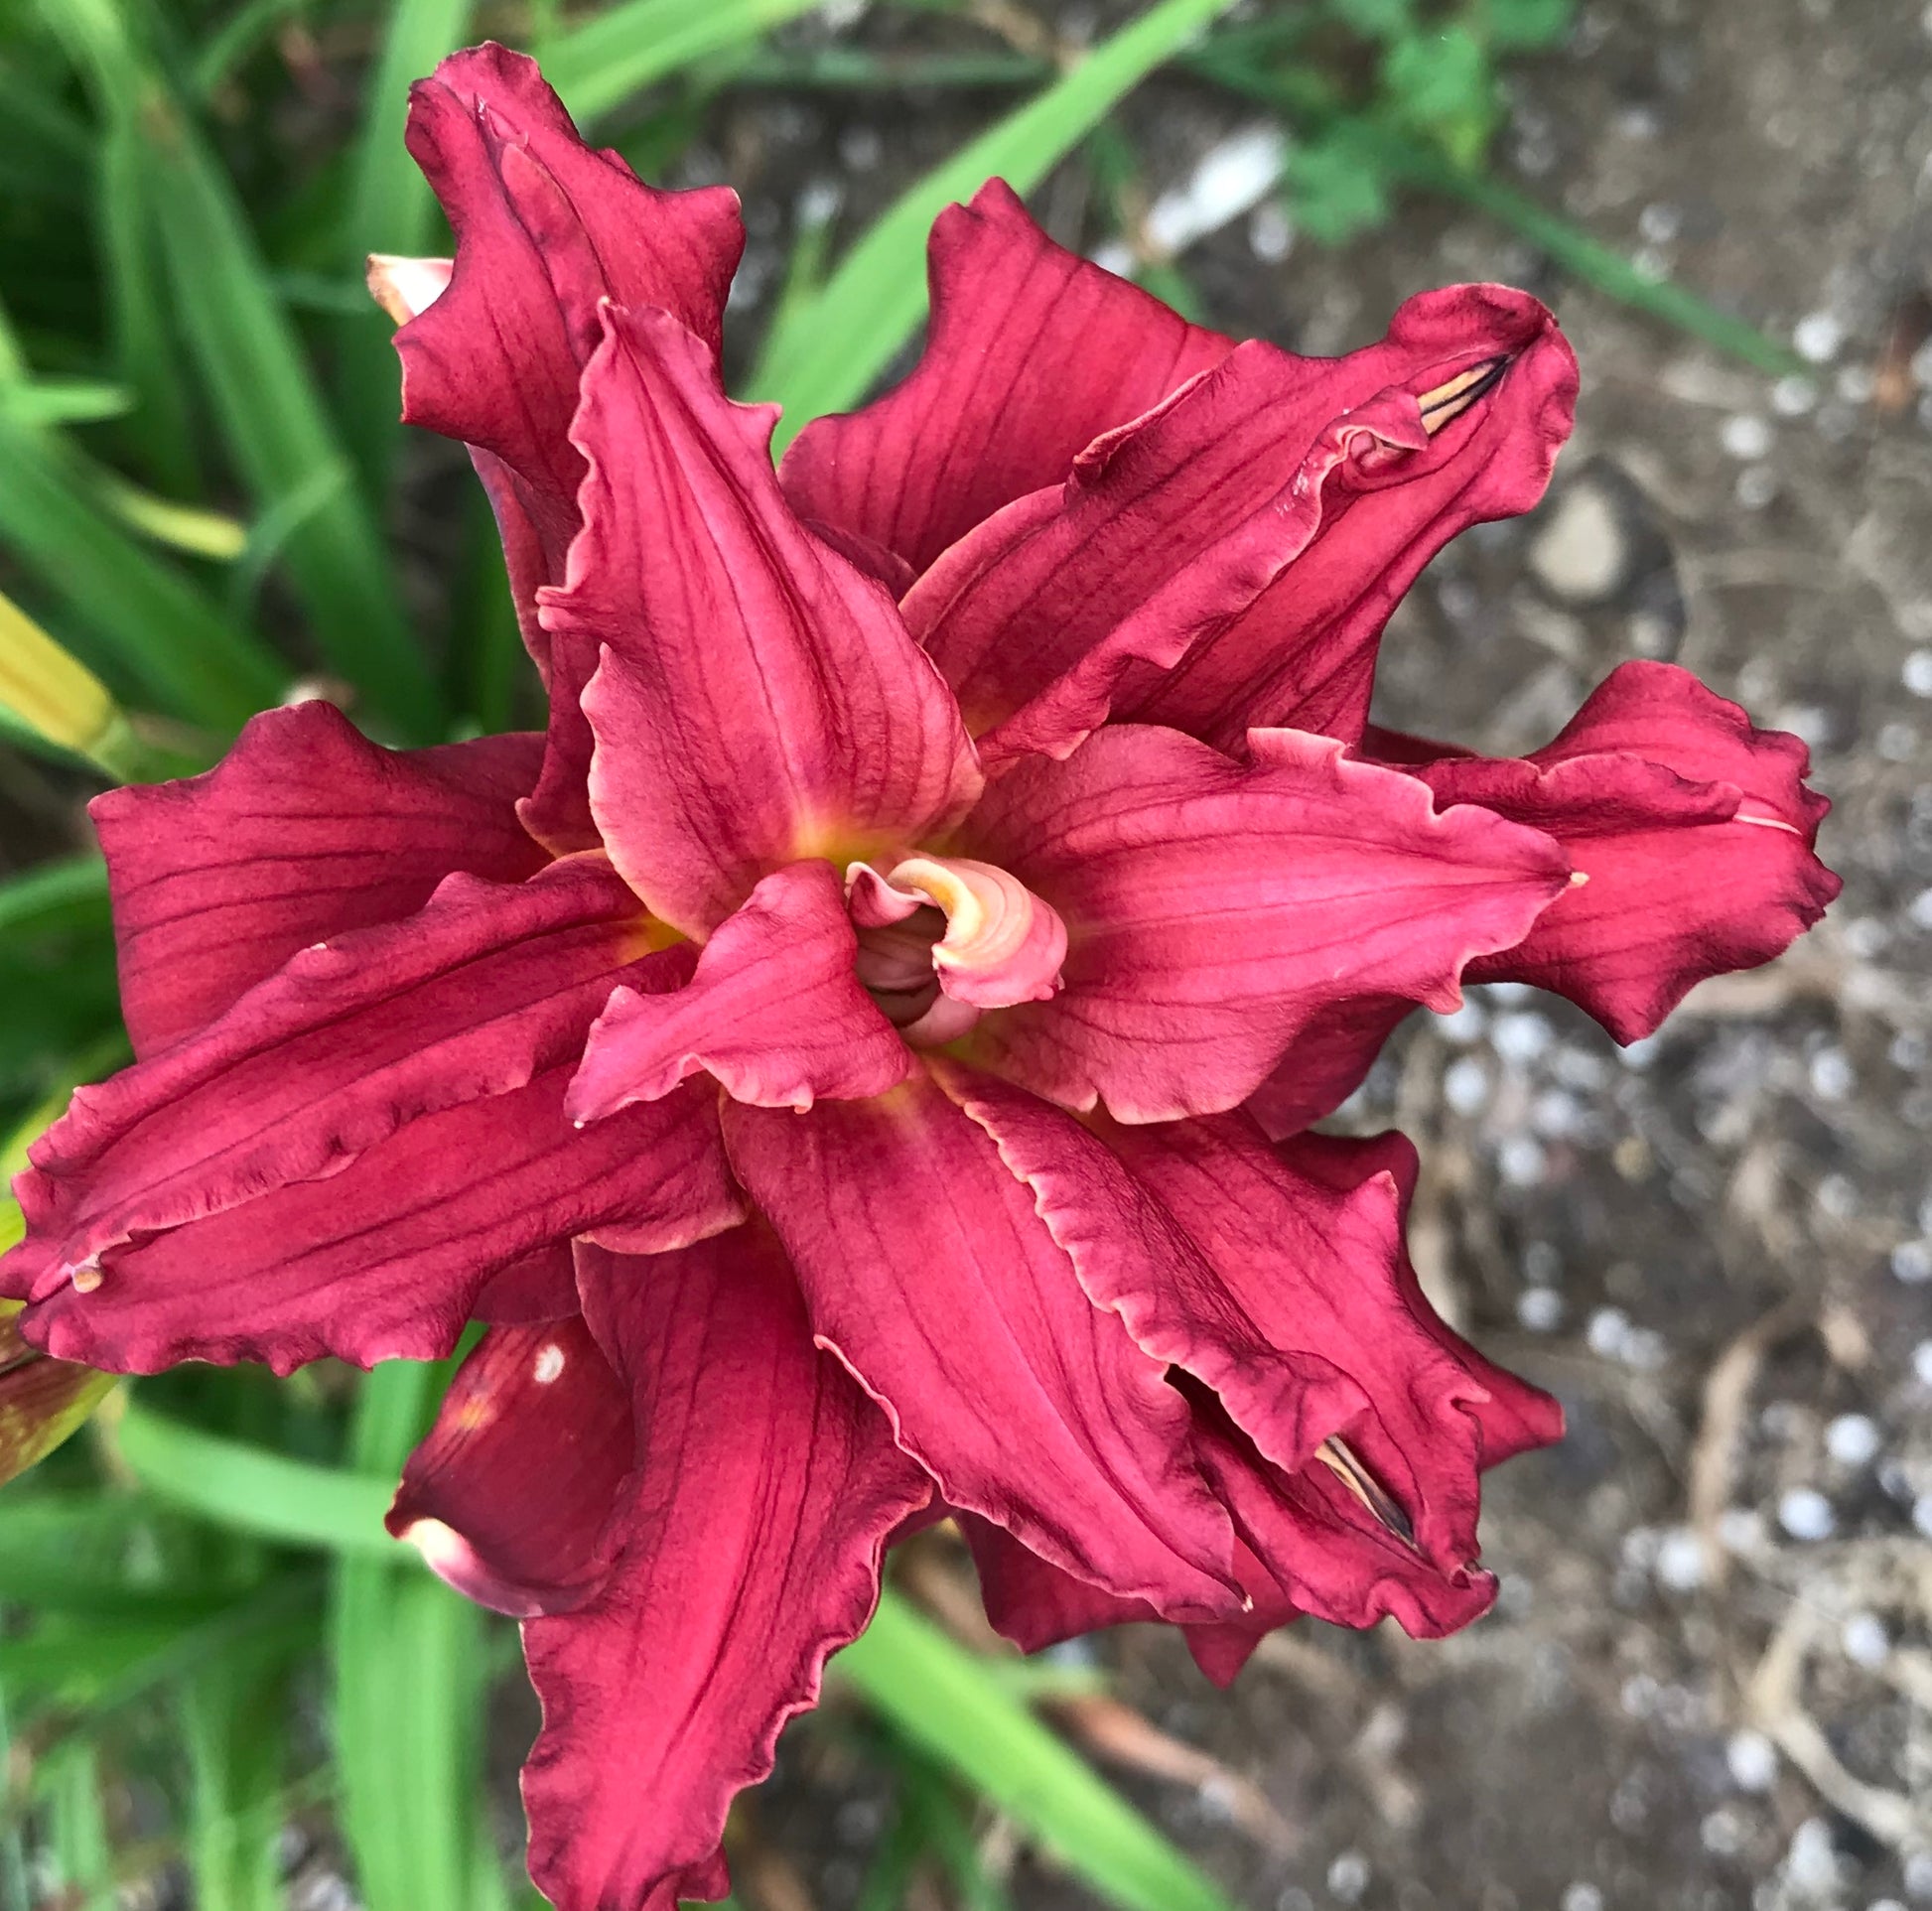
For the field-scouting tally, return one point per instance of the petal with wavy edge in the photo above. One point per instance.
(304, 830)
(1303, 655)
(1215, 909)
(545, 228)
(774, 1011)
(541, 1288)
(1513, 1416)
(1069, 602)
(510, 1496)
(1325, 1063)
(1695, 832)
(387, 1259)
(759, 702)
(1032, 353)
(486, 986)
(1223, 1324)
(767, 1487)
(927, 1269)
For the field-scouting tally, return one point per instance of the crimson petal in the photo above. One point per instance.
(510, 1496)
(304, 830)
(767, 1487)
(927, 1271)
(1215, 911)
(1323, 473)
(1032, 353)
(1694, 828)
(546, 227)
(759, 702)
(479, 992)
(774, 1011)
(388, 1258)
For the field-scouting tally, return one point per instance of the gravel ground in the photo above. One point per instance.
(1709, 1680)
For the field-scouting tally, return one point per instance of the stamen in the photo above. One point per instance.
(1335, 1453)
(1449, 401)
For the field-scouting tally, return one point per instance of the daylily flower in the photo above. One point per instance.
(859, 1059)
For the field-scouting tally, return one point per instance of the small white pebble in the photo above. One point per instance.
(1818, 336)
(549, 1363)
(1884, 1904)
(1521, 1160)
(1348, 1876)
(1521, 1038)
(1922, 1363)
(1465, 1085)
(1916, 673)
(1854, 385)
(1865, 1640)
(1911, 1261)
(1753, 1761)
(1757, 486)
(1680, 1561)
(1831, 1075)
(1720, 1833)
(1540, 1309)
(1919, 909)
(1897, 743)
(1806, 1514)
(1270, 233)
(1583, 1897)
(1922, 1513)
(1792, 397)
(1746, 437)
(1605, 1332)
(1851, 1440)
(1811, 1866)
(1918, 1868)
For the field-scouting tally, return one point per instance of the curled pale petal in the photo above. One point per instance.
(1692, 828)
(759, 702)
(545, 228)
(767, 1485)
(510, 1496)
(404, 287)
(1032, 353)
(304, 830)
(388, 1258)
(927, 1271)
(1002, 944)
(1215, 909)
(41, 1401)
(774, 1011)
(480, 991)
(1303, 655)
(1512, 1416)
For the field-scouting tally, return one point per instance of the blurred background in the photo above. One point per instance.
(1708, 1683)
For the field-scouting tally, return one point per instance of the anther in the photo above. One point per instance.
(1335, 1453)
(1449, 401)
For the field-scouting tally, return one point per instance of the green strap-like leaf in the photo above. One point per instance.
(937, 1694)
(827, 352)
(601, 64)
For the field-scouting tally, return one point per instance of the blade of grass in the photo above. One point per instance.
(936, 1695)
(598, 64)
(234, 1723)
(161, 631)
(827, 352)
(83, 1851)
(405, 1653)
(263, 393)
(390, 209)
(250, 1489)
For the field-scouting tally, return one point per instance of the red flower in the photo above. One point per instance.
(849, 1057)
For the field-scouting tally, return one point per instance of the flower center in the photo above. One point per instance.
(942, 939)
